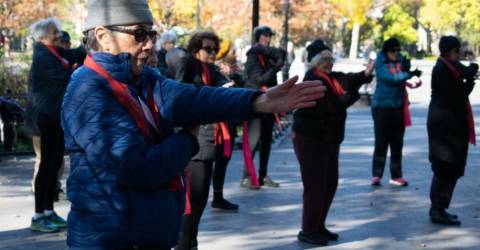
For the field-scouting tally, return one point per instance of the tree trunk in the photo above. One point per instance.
(255, 16)
(429, 40)
(354, 43)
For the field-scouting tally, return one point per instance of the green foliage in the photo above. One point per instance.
(399, 24)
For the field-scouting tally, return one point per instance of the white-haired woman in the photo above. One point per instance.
(166, 43)
(49, 75)
(318, 133)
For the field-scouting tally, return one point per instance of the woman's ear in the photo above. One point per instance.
(104, 38)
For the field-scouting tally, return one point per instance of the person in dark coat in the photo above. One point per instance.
(390, 111)
(450, 126)
(214, 139)
(127, 179)
(166, 43)
(49, 75)
(317, 135)
(261, 68)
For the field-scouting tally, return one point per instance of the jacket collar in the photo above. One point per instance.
(382, 58)
(119, 67)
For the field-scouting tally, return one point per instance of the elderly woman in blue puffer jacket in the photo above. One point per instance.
(126, 185)
(390, 111)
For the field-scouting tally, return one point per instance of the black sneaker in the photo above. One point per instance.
(328, 234)
(439, 216)
(224, 205)
(313, 238)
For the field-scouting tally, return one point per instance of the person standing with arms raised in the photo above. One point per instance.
(390, 111)
(127, 182)
(261, 71)
(450, 126)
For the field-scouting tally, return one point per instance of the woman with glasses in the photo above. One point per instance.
(127, 181)
(214, 139)
(390, 111)
(450, 126)
(318, 133)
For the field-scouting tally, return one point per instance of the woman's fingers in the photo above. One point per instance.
(302, 105)
(290, 82)
(314, 91)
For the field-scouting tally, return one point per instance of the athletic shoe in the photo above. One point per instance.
(376, 181)
(269, 182)
(43, 225)
(57, 220)
(247, 183)
(399, 182)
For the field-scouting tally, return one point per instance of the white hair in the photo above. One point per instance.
(315, 61)
(167, 37)
(40, 29)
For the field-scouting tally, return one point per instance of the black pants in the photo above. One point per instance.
(221, 163)
(319, 169)
(389, 129)
(9, 135)
(441, 191)
(200, 177)
(260, 137)
(52, 149)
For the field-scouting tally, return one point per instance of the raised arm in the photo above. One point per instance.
(185, 105)
(384, 75)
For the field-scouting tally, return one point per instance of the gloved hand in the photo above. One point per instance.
(416, 73)
(279, 64)
(474, 66)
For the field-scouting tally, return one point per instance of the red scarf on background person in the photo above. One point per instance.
(221, 131)
(407, 119)
(123, 96)
(55, 53)
(470, 118)
(333, 83)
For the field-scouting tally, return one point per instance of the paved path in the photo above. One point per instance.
(366, 218)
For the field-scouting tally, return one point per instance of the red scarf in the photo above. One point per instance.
(470, 118)
(55, 53)
(221, 131)
(333, 83)
(406, 111)
(123, 96)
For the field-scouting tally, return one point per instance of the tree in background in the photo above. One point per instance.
(455, 17)
(399, 24)
(356, 13)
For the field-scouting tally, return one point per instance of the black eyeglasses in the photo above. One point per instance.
(396, 50)
(140, 34)
(211, 50)
(327, 59)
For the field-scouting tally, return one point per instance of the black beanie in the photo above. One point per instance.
(447, 43)
(390, 44)
(315, 48)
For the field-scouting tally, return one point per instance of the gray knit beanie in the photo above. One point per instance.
(117, 12)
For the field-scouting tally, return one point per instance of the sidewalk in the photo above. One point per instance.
(366, 218)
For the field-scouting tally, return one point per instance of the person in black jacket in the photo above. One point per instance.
(166, 43)
(49, 75)
(261, 68)
(199, 69)
(450, 126)
(317, 135)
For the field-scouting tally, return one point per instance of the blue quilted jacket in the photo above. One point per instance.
(389, 89)
(107, 149)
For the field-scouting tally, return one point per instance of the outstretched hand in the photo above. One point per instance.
(289, 96)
